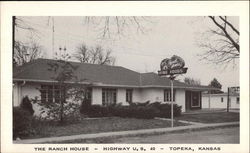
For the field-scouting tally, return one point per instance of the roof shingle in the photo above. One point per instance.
(102, 75)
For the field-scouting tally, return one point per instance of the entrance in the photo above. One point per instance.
(192, 100)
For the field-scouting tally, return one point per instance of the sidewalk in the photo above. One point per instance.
(124, 133)
(212, 110)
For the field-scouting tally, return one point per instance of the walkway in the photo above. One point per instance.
(211, 110)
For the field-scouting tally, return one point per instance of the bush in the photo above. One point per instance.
(96, 111)
(26, 105)
(155, 104)
(21, 122)
(85, 105)
(143, 112)
(135, 110)
(165, 110)
(139, 104)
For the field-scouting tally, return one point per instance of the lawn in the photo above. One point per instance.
(210, 135)
(100, 125)
(218, 117)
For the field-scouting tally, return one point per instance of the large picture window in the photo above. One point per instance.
(108, 96)
(50, 93)
(167, 95)
(129, 95)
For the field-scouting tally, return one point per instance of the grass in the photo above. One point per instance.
(100, 125)
(217, 117)
(116, 139)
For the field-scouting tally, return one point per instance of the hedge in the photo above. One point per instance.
(22, 121)
(26, 105)
(135, 110)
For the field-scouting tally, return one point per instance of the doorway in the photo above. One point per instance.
(192, 100)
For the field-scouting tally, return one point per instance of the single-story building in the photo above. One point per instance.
(220, 100)
(107, 85)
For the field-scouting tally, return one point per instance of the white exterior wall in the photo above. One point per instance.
(16, 95)
(157, 94)
(28, 89)
(97, 95)
(180, 99)
(215, 101)
(234, 102)
(137, 95)
(152, 94)
(121, 96)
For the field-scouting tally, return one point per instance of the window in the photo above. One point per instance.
(221, 99)
(238, 100)
(108, 96)
(50, 93)
(129, 95)
(167, 95)
(85, 95)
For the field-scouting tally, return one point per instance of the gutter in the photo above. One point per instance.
(99, 84)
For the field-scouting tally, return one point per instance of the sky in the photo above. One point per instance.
(141, 52)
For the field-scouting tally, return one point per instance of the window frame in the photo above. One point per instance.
(109, 94)
(129, 95)
(167, 95)
(50, 92)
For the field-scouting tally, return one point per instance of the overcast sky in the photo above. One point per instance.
(163, 37)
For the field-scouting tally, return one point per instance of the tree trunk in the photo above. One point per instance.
(62, 100)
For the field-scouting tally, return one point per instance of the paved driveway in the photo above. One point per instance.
(222, 135)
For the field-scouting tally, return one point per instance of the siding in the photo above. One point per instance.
(180, 99)
(215, 101)
(97, 95)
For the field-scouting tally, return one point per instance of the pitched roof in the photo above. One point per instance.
(99, 75)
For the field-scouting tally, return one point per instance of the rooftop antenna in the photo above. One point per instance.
(53, 37)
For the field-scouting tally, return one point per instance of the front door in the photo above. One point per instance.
(193, 100)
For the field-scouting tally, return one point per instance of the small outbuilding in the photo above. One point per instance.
(221, 100)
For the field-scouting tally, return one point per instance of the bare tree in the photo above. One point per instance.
(222, 42)
(24, 53)
(82, 53)
(192, 81)
(118, 25)
(94, 55)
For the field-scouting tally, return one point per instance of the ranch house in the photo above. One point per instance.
(106, 85)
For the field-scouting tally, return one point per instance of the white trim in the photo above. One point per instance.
(99, 84)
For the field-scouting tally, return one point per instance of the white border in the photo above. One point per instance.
(177, 8)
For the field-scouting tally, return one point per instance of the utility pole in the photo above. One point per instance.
(228, 90)
(13, 36)
(53, 39)
(172, 100)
